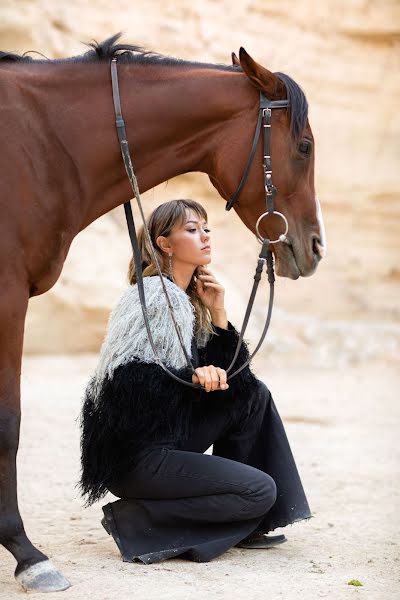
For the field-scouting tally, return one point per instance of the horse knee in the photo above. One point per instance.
(11, 527)
(9, 430)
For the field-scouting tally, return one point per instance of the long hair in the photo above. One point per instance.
(160, 222)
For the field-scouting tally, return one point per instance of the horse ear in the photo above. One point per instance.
(260, 76)
(235, 60)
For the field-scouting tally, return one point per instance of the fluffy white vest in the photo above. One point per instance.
(127, 338)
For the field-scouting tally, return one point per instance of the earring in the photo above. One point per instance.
(171, 274)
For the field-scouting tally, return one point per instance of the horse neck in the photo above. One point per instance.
(173, 117)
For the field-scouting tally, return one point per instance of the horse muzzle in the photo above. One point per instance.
(294, 261)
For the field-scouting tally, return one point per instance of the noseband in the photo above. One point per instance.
(265, 256)
(264, 123)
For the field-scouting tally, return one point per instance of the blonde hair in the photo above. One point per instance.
(160, 222)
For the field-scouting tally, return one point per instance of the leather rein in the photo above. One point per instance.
(265, 257)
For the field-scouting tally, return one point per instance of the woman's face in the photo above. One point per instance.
(190, 241)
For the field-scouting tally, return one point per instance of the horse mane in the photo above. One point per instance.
(127, 53)
(107, 50)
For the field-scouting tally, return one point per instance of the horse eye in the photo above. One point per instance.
(305, 148)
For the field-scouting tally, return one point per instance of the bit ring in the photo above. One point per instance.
(282, 237)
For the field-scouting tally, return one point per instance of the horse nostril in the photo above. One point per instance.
(317, 247)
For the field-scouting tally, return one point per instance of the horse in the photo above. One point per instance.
(61, 169)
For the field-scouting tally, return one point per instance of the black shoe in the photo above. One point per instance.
(261, 540)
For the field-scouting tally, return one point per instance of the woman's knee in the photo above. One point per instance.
(263, 495)
(267, 493)
(261, 398)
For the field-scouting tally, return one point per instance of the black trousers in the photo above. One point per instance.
(181, 502)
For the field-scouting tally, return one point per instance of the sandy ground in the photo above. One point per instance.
(342, 426)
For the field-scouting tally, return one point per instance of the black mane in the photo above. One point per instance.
(127, 53)
(105, 52)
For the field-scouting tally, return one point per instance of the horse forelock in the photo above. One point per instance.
(298, 109)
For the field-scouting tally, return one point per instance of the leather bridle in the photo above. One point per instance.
(264, 123)
(265, 257)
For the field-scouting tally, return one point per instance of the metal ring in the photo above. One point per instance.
(282, 236)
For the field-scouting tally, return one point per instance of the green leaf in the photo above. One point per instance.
(354, 582)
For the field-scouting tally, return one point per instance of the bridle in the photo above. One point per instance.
(263, 122)
(265, 256)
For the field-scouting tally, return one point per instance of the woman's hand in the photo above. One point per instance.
(211, 378)
(210, 292)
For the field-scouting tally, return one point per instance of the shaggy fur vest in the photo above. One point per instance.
(130, 402)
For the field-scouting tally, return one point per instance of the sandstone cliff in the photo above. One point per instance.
(346, 57)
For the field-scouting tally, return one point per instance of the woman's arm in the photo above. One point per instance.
(220, 349)
(219, 318)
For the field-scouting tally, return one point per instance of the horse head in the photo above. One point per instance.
(292, 152)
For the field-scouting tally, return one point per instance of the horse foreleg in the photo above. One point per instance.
(34, 571)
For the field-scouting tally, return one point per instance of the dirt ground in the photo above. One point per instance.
(342, 425)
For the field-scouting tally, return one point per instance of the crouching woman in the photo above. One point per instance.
(144, 434)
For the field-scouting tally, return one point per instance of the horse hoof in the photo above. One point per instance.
(42, 577)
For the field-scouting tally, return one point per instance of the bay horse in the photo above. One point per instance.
(61, 169)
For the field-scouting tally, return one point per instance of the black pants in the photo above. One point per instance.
(181, 502)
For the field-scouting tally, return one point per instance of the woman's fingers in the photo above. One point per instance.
(214, 378)
(209, 280)
(204, 377)
(211, 284)
(222, 379)
(210, 378)
(198, 376)
(208, 277)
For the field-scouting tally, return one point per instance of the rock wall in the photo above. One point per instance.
(346, 57)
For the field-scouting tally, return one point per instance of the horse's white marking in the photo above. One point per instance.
(52, 579)
(323, 245)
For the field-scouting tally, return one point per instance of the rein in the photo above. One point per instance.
(265, 256)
